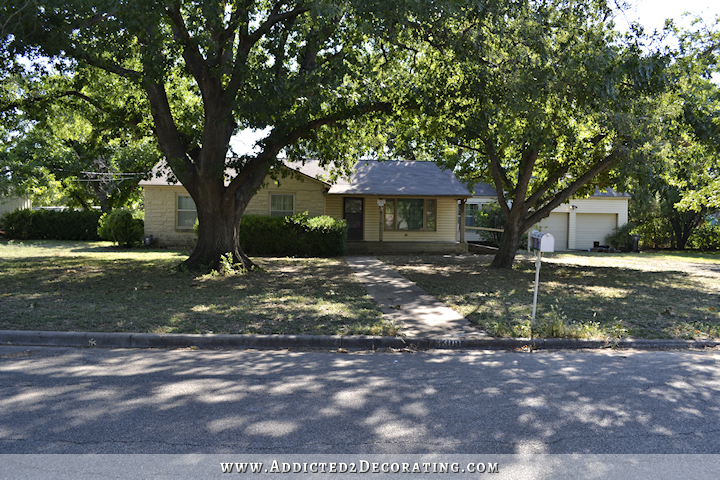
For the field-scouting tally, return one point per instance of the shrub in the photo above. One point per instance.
(119, 226)
(621, 238)
(705, 237)
(51, 225)
(489, 215)
(298, 235)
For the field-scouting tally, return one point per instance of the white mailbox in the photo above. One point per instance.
(542, 242)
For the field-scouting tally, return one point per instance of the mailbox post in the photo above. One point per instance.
(540, 242)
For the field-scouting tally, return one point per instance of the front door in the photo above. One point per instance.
(353, 215)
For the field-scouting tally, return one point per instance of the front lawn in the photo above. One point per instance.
(582, 295)
(92, 286)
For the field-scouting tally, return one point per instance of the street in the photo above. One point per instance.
(91, 400)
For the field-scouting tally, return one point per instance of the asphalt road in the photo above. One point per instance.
(92, 400)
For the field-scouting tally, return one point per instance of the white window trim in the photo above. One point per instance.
(282, 195)
(178, 210)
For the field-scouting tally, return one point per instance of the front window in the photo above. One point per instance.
(411, 214)
(282, 205)
(186, 212)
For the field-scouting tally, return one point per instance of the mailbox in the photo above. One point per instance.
(543, 242)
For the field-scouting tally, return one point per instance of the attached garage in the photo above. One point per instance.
(593, 227)
(557, 225)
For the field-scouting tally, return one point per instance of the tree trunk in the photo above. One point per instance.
(683, 225)
(514, 228)
(217, 236)
(505, 256)
(220, 210)
(219, 215)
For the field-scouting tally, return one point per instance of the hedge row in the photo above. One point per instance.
(298, 235)
(51, 225)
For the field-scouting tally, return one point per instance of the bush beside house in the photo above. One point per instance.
(121, 227)
(297, 235)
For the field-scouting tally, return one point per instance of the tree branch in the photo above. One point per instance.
(552, 179)
(109, 67)
(55, 96)
(499, 177)
(193, 58)
(270, 152)
(570, 190)
(275, 17)
(168, 136)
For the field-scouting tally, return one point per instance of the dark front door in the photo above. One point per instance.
(353, 215)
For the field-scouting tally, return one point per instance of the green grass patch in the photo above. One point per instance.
(93, 286)
(582, 295)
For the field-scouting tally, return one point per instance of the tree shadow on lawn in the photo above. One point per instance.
(586, 301)
(314, 296)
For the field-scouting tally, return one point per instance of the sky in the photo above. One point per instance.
(650, 13)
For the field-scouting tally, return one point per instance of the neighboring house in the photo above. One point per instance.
(576, 225)
(392, 206)
(11, 203)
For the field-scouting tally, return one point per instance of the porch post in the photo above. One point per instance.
(381, 204)
(462, 220)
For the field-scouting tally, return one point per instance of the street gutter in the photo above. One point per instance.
(331, 342)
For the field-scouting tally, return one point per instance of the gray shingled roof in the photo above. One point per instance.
(310, 168)
(400, 178)
(487, 190)
(396, 178)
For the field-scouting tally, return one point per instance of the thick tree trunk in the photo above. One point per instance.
(683, 225)
(218, 238)
(219, 215)
(509, 245)
(220, 210)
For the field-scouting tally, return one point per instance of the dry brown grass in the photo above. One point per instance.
(94, 287)
(584, 295)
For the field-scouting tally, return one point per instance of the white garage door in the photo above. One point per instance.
(593, 227)
(557, 225)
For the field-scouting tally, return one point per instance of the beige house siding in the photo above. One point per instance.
(309, 196)
(10, 204)
(161, 206)
(446, 221)
(161, 216)
(334, 206)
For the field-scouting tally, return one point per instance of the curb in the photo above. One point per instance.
(326, 342)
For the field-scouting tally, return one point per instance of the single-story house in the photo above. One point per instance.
(11, 203)
(391, 206)
(576, 225)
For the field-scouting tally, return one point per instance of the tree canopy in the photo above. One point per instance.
(540, 98)
(210, 68)
(71, 134)
(675, 190)
(540, 102)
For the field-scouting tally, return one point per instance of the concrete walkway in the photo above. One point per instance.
(403, 302)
